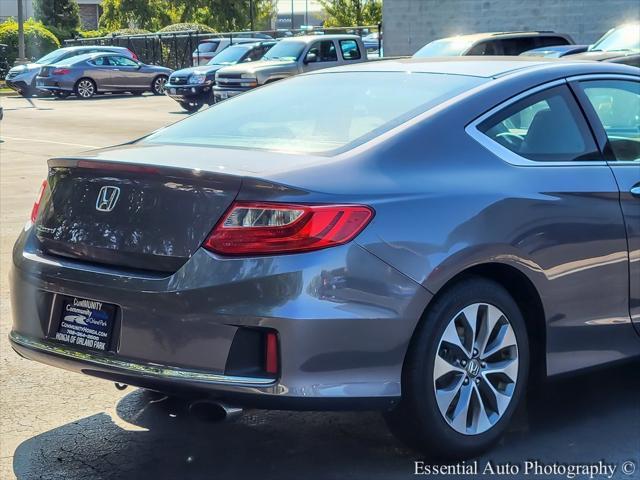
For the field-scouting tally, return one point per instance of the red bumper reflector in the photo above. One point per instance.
(271, 353)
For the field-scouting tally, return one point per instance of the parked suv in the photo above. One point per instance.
(22, 78)
(191, 87)
(209, 48)
(493, 43)
(619, 45)
(289, 57)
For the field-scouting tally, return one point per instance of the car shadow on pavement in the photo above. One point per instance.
(588, 418)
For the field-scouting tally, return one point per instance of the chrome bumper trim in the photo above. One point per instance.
(148, 369)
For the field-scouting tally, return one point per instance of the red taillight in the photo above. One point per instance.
(60, 71)
(36, 204)
(133, 54)
(257, 228)
(271, 353)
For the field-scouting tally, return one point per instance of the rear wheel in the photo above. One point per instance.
(465, 372)
(85, 88)
(157, 86)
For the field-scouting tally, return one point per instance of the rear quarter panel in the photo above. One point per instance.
(444, 204)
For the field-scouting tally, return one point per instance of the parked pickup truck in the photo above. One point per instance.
(289, 57)
(191, 87)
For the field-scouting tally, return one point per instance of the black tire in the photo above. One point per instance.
(417, 420)
(85, 88)
(190, 107)
(157, 85)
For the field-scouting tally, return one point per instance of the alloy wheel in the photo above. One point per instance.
(476, 369)
(86, 88)
(158, 85)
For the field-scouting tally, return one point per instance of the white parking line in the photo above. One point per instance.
(47, 141)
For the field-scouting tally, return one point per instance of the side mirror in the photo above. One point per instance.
(311, 58)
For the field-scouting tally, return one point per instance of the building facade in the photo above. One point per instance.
(410, 24)
(90, 11)
(305, 12)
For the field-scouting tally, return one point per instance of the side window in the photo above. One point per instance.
(122, 61)
(485, 48)
(617, 104)
(547, 41)
(255, 54)
(207, 47)
(325, 51)
(350, 50)
(545, 127)
(515, 46)
(100, 62)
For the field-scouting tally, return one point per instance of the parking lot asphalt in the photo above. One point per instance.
(59, 425)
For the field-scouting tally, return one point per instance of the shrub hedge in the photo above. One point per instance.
(182, 27)
(37, 38)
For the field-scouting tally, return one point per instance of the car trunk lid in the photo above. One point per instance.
(130, 215)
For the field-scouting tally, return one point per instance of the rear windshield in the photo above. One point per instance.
(206, 47)
(447, 47)
(316, 113)
(622, 38)
(53, 57)
(230, 55)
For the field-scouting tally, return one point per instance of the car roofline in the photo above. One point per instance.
(512, 65)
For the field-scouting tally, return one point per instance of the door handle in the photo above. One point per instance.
(635, 190)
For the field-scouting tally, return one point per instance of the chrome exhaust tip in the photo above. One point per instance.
(213, 411)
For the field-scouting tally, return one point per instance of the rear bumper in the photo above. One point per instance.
(117, 369)
(343, 317)
(54, 84)
(242, 391)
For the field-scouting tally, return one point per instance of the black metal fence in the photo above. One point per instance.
(179, 49)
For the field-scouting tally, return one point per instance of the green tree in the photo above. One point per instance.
(62, 17)
(221, 15)
(234, 15)
(148, 14)
(351, 13)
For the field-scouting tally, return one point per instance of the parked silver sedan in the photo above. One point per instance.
(86, 75)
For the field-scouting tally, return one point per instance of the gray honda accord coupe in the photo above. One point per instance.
(428, 238)
(89, 74)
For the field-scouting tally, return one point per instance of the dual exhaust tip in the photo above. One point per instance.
(207, 410)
